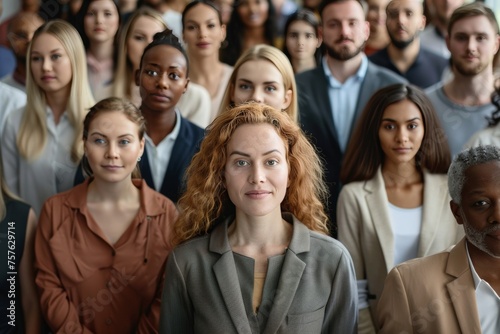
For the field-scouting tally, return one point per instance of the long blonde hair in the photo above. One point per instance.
(32, 135)
(124, 74)
(206, 200)
(279, 60)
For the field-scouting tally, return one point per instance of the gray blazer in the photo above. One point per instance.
(315, 288)
(315, 116)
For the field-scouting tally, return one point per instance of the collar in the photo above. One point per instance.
(151, 204)
(475, 276)
(172, 135)
(300, 242)
(360, 74)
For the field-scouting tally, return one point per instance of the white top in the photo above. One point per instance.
(406, 225)
(173, 20)
(159, 155)
(48, 174)
(10, 100)
(488, 302)
(9, 80)
(195, 105)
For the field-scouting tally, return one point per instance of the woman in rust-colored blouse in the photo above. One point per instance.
(101, 247)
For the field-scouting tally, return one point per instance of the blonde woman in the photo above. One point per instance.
(135, 35)
(41, 144)
(262, 74)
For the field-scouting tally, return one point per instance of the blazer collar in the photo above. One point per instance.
(378, 205)
(227, 276)
(461, 290)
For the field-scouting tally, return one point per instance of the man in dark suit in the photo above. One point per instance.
(332, 96)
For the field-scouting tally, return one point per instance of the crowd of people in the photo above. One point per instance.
(250, 166)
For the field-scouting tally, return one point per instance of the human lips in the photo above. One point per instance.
(160, 97)
(203, 45)
(47, 78)
(257, 194)
(402, 150)
(112, 167)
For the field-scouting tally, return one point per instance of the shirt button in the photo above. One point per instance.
(108, 284)
(109, 322)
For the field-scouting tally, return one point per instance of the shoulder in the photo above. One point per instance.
(196, 248)
(488, 136)
(435, 179)
(379, 56)
(304, 78)
(434, 90)
(326, 249)
(69, 198)
(419, 269)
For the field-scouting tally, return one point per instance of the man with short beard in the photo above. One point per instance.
(433, 37)
(332, 96)
(455, 291)
(463, 104)
(405, 54)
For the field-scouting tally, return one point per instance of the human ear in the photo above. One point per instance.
(457, 213)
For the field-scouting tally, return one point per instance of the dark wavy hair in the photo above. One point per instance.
(236, 32)
(495, 99)
(364, 154)
(308, 17)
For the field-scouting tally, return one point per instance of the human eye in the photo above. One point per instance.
(412, 126)
(309, 36)
(481, 38)
(293, 35)
(174, 76)
(480, 204)
(211, 25)
(389, 126)
(244, 86)
(90, 13)
(152, 73)
(409, 13)
(190, 27)
(124, 142)
(139, 38)
(241, 163)
(108, 13)
(353, 23)
(272, 162)
(99, 141)
(36, 58)
(270, 89)
(55, 56)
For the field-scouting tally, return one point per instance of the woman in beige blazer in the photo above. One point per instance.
(395, 203)
(255, 254)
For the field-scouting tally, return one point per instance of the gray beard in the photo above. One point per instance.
(476, 237)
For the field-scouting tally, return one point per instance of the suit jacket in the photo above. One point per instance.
(313, 288)
(365, 228)
(431, 295)
(315, 116)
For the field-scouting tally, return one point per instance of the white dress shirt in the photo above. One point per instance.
(159, 155)
(488, 302)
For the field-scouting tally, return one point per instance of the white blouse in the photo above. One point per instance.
(406, 225)
(49, 173)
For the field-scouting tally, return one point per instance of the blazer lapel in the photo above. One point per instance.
(227, 279)
(378, 205)
(461, 290)
(292, 268)
(322, 98)
(432, 210)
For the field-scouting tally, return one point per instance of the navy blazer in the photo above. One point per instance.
(185, 146)
(315, 117)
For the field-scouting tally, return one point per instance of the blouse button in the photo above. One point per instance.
(109, 322)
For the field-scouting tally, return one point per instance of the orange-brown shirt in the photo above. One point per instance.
(87, 285)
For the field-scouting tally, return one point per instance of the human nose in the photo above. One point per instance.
(257, 175)
(471, 44)
(202, 32)
(495, 214)
(402, 135)
(301, 40)
(46, 64)
(257, 96)
(112, 151)
(162, 81)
